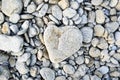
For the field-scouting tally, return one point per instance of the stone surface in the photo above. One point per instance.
(103, 69)
(69, 12)
(22, 68)
(47, 74)
(100, 17)
(79, 60)
(112, 26)
(1, 17)
(31, 8)
(87, 33)
(113, 3)
(99, 30)
(57, 12)
(43, 10)
(11, 7)
(11, 43)
(14, 18)
(63, 4)
(94, 52)
(68, 69)
(62, 42)
(96, 2)
(60, 78)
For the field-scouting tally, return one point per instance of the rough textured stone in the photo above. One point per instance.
(10, 7)
(47, 74)
(62, 42)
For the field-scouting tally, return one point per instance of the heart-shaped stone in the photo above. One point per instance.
(62, 42)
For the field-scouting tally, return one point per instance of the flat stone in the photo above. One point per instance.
(14, 43)
(96, 2)
(57, 12)
(63, 4)
(87, 33)
(69, 12)
(69, 69)
(43, 10)
(62, 42)
(1, 17)
(117, 38)
(47, 74)
(11, 7)
(100, 17)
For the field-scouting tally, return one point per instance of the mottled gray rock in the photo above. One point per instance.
(4, 73)
(47, 74)
(87, 33)
(10, 7)
(69, 12)
(11, 43)
(69, 69)
(117, 38)
(62, 42)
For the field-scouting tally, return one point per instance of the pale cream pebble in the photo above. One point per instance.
(63, 4)
(100, 17)
(94, 52)
(99, 30)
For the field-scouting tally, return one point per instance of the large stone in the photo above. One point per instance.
(10, 7)
(11, 43)
(62, 42)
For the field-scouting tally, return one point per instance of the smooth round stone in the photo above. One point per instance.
(100, 17)
(14, 18)
(96, 2)
(68, 69)
(94, 52)
(1, 17)
(47, 74)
